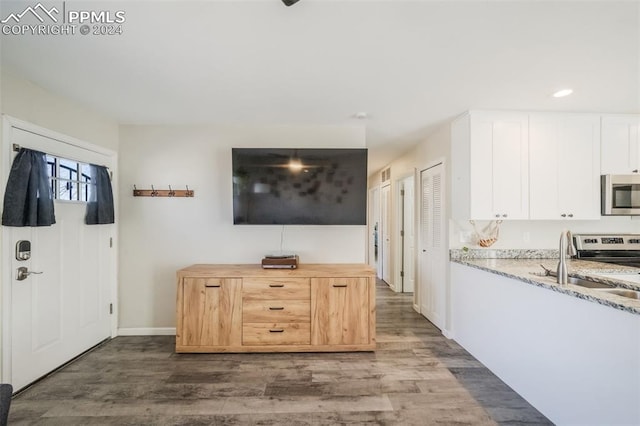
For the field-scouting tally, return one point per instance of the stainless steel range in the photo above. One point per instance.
(621, 249)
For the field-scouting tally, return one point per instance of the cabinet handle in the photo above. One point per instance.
(276, 330)
(563, 215)
(276, 285)
(635, 171)
(570, 214)
(498, 215)
(504, 215)
(212, 285)
(276, 308)
(339, 285)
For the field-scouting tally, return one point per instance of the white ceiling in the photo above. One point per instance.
(411, 65)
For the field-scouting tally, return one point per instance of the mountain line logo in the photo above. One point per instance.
(34, 12)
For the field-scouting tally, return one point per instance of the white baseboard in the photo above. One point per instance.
(448, 334)
(147, 331)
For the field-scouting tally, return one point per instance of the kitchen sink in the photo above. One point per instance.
(632, 294)
(605, 288)
(590, 284)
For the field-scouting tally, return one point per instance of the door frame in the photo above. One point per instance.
(66, 142)
(399, 225)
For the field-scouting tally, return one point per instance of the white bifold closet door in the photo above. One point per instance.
(432, 292)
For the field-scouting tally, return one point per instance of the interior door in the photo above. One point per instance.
(374, 229)
(408, 236)
(385, 221)
(62, 307)
(432, 244)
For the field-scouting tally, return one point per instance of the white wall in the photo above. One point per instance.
(22, 99)
(161, 235)
(26, 101)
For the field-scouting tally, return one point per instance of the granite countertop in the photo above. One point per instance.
(527, 268)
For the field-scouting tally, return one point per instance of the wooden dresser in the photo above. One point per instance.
(244, 308)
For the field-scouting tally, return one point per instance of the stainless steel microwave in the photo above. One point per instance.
(620, 195)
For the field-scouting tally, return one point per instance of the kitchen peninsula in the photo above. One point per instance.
(564, 348)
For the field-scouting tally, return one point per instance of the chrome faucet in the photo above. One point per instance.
(566, 248)
(571, 250)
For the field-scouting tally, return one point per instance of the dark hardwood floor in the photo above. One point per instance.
(416, 377)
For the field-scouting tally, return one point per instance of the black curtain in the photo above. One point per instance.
(100, 206)
(28, 200)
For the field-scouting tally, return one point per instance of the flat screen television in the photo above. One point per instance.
(283, 186)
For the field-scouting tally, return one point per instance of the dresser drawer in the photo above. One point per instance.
(276, 311)
(276, 289)
(276, 334)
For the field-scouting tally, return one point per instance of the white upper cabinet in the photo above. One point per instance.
(620, 144)
(490, 166)
(564, 166)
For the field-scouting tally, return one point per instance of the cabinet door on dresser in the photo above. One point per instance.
(211, 312)
(499, 165)
(564, 166)
(340, 311)
(620, 144)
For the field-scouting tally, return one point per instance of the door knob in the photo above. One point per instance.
(23, 273)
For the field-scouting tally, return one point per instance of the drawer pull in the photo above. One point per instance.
(212, 285)
(339, 285)
(276, 285)
(276, 330)
(276, 308)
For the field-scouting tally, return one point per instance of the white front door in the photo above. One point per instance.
(63, 307)
(385, 221)
(432, 244)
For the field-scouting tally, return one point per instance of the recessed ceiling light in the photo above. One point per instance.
(562, 93)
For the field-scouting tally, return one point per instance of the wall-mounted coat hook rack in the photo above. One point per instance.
(153, 192)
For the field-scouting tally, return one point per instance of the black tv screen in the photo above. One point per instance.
(299, 186)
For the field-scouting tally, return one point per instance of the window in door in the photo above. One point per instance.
(70, 180)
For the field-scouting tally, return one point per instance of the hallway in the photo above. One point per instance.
(416, 377)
